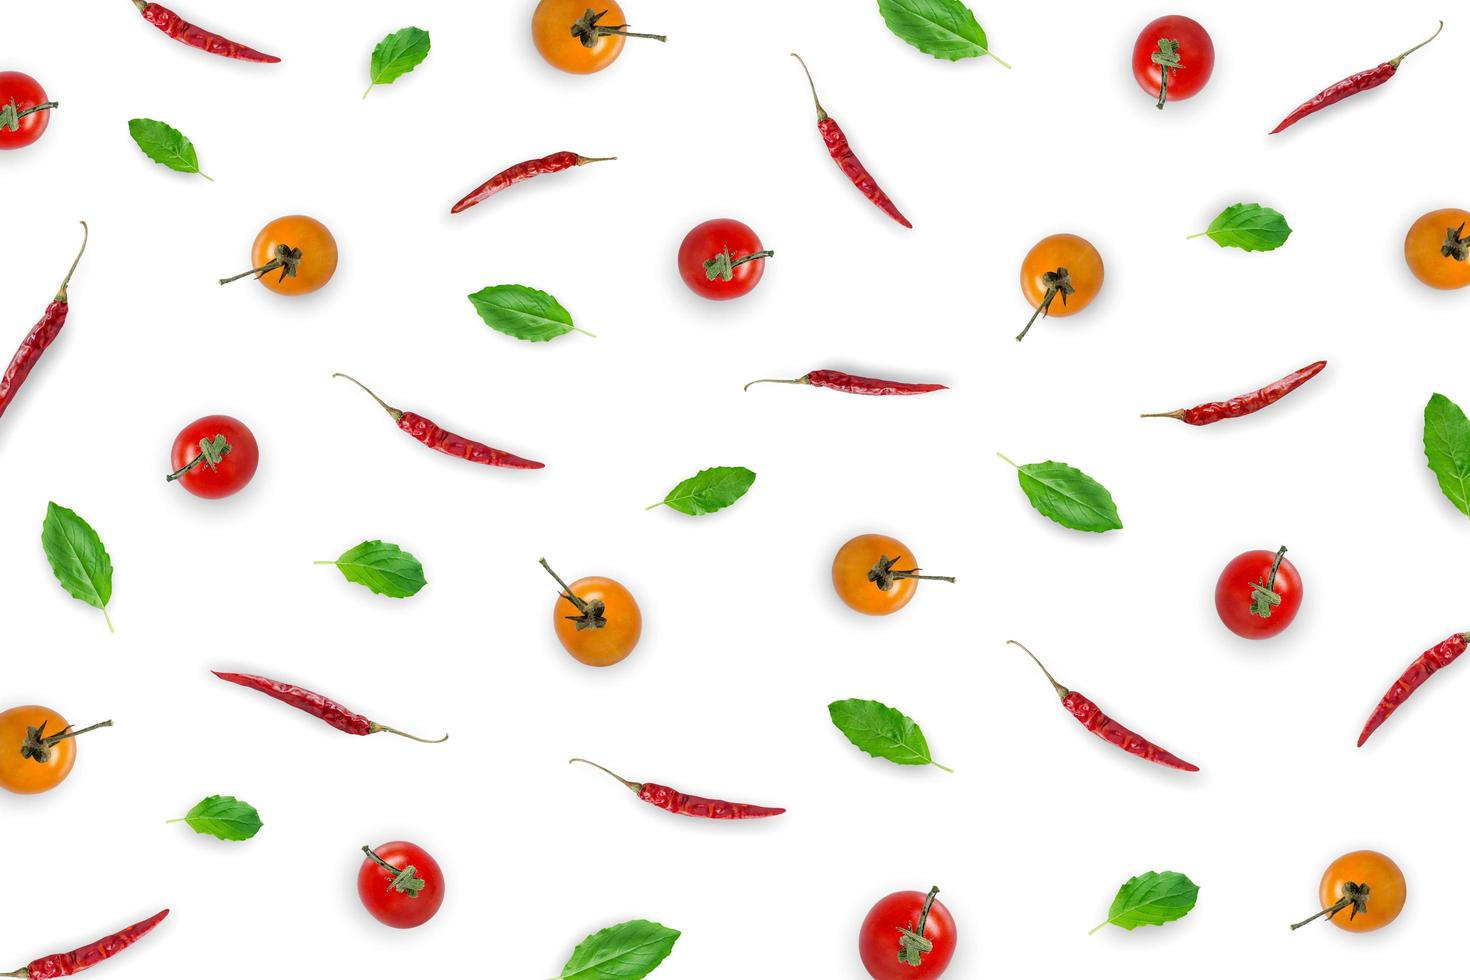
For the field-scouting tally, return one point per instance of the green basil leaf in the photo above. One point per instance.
(382, 567)
(1068, 496)
(396, 55)
(78, 559)
(882, 732)
(1447, 447)
(223, 817)
(523, 313)
(166, 145)
(1250, 227)
(944, 28)
(708, 490)
(1151, 899)
(626, 951)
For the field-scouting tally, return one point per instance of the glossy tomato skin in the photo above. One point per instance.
(318, 254)
(1234, 588)
(878, 940)
(1424, 244)
(1084, 269)
(1387, 890)
(1196, 57)
(395, 908)
(850, 570)
(551, 30)
(27, 776)
(26, 92)
(606, 645)
(706, 241)
(231, 473)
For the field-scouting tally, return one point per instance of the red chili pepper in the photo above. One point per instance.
(555, 163)
(1093, 719)
(850, 165)
(853, 384)
(66, 964)
(40, 337)
(1352, 85)
(447, 442)
(667, 798)
(1244, 404)
(1431, 660)
(315, 704)
(181, 30)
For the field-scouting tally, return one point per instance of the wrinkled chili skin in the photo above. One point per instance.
(181, 30)
(1254, 401)
(859, 385)
(30, 351)
(1431, 660)
(1093, 719)
(66, 964)
(850, 165)
(458, 446)
(1332, 94)
(555, 163)
(667, 798)
(311, 702)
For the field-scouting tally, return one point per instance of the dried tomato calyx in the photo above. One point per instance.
(722, 266)
(11, 114)
(587, 29)
(1454, 246)
(590, 614)
(911, 942)
(1167, 58)
(883, 574)
(405, 881)
(287, 259)
(211, 451)
(1056, 283)
(1264, 597)
(37, 745)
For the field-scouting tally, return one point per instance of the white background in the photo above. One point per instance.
(744, 641)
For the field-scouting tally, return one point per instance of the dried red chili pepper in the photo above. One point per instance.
(667, 798)
(314, 704)
(1243, 404)
(555, 163)
(40, 337)
(184, 32)
(853, 384)
(1431, 660)
(66, 964)
(847, 161)
(445, 441)
(1093, 719)
(1352, 85)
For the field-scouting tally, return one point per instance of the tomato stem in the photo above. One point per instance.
(635, 787)
(587, 29)
(11, 115)
(1353, 894)
(287, 259)
(1055, 282)
(1264, 597)
(911, 943)
(37, 745)
(397, 414)
(211, 451)
(1396, 61)
(405, 880)
(61, 293)
(374, 728)
(1062, 692)
(591, 612)
(1167, 58)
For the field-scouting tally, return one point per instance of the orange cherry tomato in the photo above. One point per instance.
(37, 748)
(876, 574)
(597, 619)
(292, 255)
(1437, 250)
(1361, 891)
(574, 36)
(1060, 276)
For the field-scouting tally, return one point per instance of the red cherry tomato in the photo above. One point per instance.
(394, 896)
(881, 941)
(19, 92)
(1187, 44)
(722, 259)
(1243, 594)
(214, 456)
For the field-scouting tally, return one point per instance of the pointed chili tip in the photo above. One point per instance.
(1364, 737)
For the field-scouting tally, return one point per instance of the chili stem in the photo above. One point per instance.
(386, 407)
(61, 293)
(1062, 692)
(777, 381)
(635, 787)
(581, 160)
(1395, 61)
(1051, 292)
(821, 113)
(1342, 903)
(22, 972)
(374, 727)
